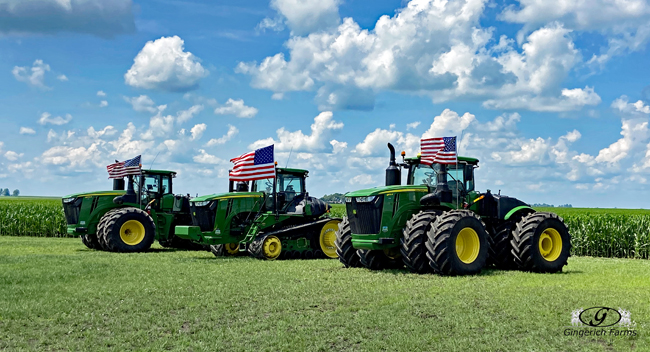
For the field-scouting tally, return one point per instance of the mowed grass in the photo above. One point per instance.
(57, 295)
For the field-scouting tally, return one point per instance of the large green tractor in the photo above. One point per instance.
(275, 219)
(129, 221)
(439, 223)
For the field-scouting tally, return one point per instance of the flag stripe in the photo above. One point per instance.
(256, 165)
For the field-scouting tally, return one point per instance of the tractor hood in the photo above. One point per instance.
(386, 189)
(97, 193)
(227, 195)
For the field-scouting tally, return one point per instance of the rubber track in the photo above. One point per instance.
(413, 242)
(344, 249)
(111, 217)
(437, 253)
(522, 241)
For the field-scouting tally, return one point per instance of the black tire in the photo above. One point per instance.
(181, 243)
(256, 248)
(318, 254)
(219, 250)
(378, 260)
(100, 233)
(526, 243)
(91, 241)
(500, 250)
(441, 244)
(413, 242)
(347, 254)
(112, 223)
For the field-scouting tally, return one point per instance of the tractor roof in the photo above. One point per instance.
(283, 170)
(164, 172)
(460, 158)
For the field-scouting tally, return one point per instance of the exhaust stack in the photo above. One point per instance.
(393, 172)
(118, 184)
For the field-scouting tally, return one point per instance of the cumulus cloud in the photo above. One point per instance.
(197, 131)
(412, 125)
(100, 93)
(46, 118)
(27, 130)
(275, 24)
(143, 103)
(237, 108)
(186, 115)
(232, 132)
(97, 17)
(65, 155)
(103, 104)
(305, 16)
(297, 141)
(34, 76)
(62, 78)
(164, 65)
(204, 158)
(427, 47)
(13, 156)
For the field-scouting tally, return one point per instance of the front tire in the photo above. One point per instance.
(414, 238)
(267, 247)
(501, 249)
(380, 259)
(457, 243)
(91, 241)
(127, 230)
(327, 239)
(541, 243)
(225, 250)
(344, 249)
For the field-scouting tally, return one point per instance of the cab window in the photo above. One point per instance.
(265, 185)
(424, 175)
(289, 184)
(166, 185)
(151, 184)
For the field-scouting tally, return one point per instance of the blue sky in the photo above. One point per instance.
(551, 96)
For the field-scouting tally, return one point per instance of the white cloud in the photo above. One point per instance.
(186, 115)
(232, 132)
(204, 158)
(27, 130)
(96, 17)
(237, 108)
(449, 123)
(103, 104)
(143, 103)
(375, 142)
(100, 93)
(362, 180)
(197, 131)
(321, 129)
(13, 156)
(570, 100)
(62, 78)
(164, 65)
(412, 125)
(275, 24)
(65, 155)
(34, 76)
(46, 118)
(306, 16)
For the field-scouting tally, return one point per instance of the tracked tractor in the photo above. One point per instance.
(439, 223)
(268, 219)
(130, 220)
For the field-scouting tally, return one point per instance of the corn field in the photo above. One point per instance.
(32, 217)
(614, 233)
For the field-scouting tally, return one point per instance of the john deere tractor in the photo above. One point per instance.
(439, 223)
(129, 221)
(275, 219)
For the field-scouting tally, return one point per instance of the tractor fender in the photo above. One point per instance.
(521, 208)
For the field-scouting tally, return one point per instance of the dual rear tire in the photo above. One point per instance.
(126, 230)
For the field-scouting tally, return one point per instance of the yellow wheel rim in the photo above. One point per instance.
(327, 238)
(231, 248)
(392, 253)
(550, 244)
(467, 245)
(272, 247)
(132, 232)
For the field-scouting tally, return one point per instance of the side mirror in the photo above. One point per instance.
(469, 173)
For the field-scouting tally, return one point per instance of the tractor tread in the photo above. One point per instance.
(344, 249)
(413, 242)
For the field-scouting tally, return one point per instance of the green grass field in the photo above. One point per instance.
(57, 295)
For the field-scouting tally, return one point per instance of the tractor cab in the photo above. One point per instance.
(459, 176)
(154, 189)
(288, 188)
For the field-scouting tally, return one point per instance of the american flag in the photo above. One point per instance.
(124, 168)
(441, 150)
(255, 165)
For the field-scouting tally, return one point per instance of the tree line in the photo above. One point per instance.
(5, 192)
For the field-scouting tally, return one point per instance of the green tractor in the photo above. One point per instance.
(275, 219)
(439, 223)
(129, 221)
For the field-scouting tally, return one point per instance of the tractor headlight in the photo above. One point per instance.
(201, 204)
(348, 199)
(366, 199)
(69, 200)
